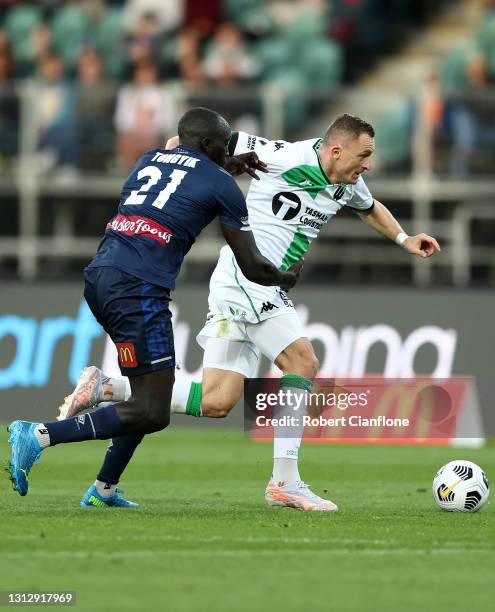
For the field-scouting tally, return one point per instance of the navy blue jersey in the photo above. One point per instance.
(168, 198)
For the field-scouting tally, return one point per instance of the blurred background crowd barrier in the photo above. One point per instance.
(87, 86)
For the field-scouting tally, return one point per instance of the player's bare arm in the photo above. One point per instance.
(382, 220)
(254, 266)
(235, 165)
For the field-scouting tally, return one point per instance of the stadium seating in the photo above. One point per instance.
(109, 34)
(452, 70)
(19, 23)
(485, 38)
(70, 29)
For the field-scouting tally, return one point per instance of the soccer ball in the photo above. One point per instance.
(460, 486)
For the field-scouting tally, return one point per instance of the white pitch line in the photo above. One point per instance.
(134, 554)
(436, 545)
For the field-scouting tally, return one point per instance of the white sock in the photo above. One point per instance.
(180, 395)
(42, 435)
(287, 439)
(105, 489)
(285, 471)
(115, 389)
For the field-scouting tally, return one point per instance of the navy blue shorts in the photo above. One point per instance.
(136, 316)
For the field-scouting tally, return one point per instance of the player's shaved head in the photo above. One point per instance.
(199, 123)
(205, 130)
(347, 126)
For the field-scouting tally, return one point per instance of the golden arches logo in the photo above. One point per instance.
(126, 353)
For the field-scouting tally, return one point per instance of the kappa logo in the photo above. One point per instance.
(127, 354)
(267, 306)
(279, 145)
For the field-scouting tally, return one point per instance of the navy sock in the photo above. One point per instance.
(119, 453)
(101, 424)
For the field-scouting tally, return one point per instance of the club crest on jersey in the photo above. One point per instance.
(127, 354)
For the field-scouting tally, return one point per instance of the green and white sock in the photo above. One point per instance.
(186, 398)
(287, 440)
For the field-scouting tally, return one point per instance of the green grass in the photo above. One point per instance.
(204, 540)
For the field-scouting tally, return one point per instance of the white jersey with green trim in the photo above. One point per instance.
(290, 203)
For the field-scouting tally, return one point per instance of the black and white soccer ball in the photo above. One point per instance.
(460, 486)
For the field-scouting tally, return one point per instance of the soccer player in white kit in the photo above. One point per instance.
(306, 183)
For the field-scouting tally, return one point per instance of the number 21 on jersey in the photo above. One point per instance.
(154, 174)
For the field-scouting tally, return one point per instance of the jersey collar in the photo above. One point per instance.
(316, 148)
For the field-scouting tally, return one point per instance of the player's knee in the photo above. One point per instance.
(312, 365)
(155, 418)
(302, 362)
(216, 407)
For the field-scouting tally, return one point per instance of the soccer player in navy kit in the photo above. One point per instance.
(168, 198)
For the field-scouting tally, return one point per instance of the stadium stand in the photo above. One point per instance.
(67, 71)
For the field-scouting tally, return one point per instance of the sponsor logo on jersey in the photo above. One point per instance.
(267, 307)
(126, 354)
(251, 143)
(140, 226)
(285, 299)
(286, 205)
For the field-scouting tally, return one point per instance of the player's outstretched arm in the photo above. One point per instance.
(383, 221)
(235, 165)
(245, 162)
(254, 265)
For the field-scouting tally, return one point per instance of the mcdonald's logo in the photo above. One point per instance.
(127, 354)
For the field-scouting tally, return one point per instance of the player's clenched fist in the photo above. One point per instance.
(294, 271)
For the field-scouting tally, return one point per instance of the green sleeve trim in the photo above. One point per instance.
(245, 292)
(193, 405)
(294, 381)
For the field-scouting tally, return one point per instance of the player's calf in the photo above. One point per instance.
(216, 407)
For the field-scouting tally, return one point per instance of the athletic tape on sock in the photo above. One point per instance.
(193, 406)
(296, 382)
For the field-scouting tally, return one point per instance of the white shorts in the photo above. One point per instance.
(245, 319)
(225, 349)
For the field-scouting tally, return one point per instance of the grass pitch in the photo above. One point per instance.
(205, 541)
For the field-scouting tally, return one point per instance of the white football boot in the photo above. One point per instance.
(297, 495)
(87, 394)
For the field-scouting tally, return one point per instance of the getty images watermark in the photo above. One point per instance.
(363, 408)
